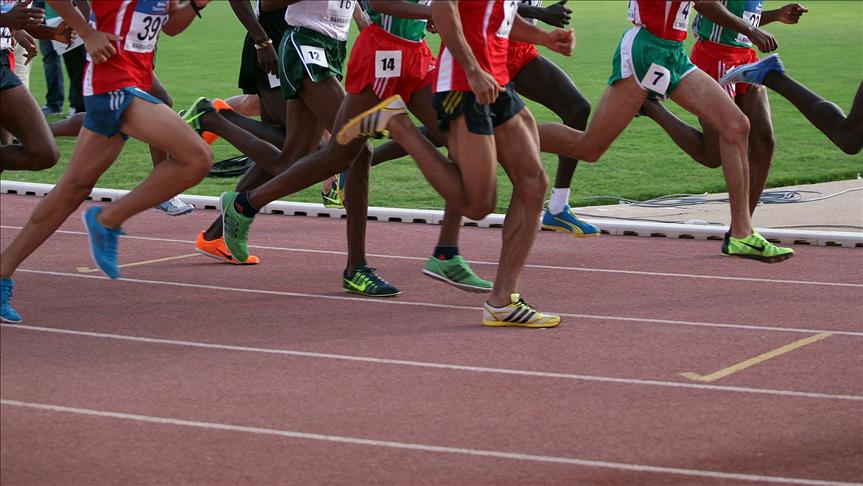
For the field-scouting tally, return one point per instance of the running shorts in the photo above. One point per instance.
(389, 64)
(306, 53)
(717, 59)
(518, 56)
(657, 64)
(8, 79)
(105, 111)
(251, 74)
(480, 119)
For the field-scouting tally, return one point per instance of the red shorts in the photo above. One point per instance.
(389, 64)
(518, 56)
(717, 59)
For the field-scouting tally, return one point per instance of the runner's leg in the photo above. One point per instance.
(37, 149)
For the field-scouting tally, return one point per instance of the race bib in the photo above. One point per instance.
(146, 24)
(388, 64)
(314, 55)
(753, 19)
(60, 47)
(510, 7)
(5, 38)
(273, 80)
(340, 12)
(657, 79)
(681, 20)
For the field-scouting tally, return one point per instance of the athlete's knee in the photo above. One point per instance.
(532, 185)
(594, 152)
(575, 115)
(198, 160)
(481, 204)
(735, 129)
(44, 156)
(848, 141)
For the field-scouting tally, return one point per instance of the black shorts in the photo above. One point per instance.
(481, 119)
(7, 77)
(251, 74)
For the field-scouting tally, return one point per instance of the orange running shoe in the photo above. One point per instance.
(192, 116)
(220, 105)
(218, 250)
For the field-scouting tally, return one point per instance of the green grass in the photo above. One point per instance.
(825, 51)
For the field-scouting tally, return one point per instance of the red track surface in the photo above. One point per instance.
(218, 386)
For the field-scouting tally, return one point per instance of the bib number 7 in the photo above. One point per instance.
(657, 79)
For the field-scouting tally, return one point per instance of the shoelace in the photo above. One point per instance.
(7, 293)
(368, 275)
(111, 239)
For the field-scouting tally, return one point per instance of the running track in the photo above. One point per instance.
(190, 371)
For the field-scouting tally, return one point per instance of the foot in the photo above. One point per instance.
(755, 247)
(567, 222)
(49, 111)
(456, 272)
(235, 226)
(193, 116)
(334, 198)
(366, 282)
(103, 243)
(755, 72)
(218, 250)
(7, 313)
(175, 207)
(373, 122)
(517, 314)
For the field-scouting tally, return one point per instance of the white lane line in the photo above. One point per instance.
(476, 262)
(637, 320)
(442, 366)
(359, 441)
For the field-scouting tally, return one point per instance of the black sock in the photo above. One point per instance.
(244, 206)
(445, 252)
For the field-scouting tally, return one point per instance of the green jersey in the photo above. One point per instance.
(410, 29)
(748, 10)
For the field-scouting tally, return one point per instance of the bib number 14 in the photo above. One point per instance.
(388, 64)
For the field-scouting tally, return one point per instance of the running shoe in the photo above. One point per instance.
(103, 242)
(755, 247)
(220, 105)
(218, 250)
(366, 282)
(517, 314)
(567, 222)
(456, 272)
(193, 115)
(7, 313)
(372, 122)
(341, 187)
(331, 198)
(755, 72)
(175, 207)
(235, 226)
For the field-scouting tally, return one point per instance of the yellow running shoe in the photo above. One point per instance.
(372, 122)
(517, 314)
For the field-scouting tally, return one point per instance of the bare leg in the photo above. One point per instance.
(703, 148)
(756, 106)
(68, 127)
(38, 149)
(158, 90)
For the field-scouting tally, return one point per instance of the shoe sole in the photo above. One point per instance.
(518, 324)
(371, 295)
(776, 259)
(222, 259)
(181, 213)
(467, 288)
(563, 230)
(10, 321)
(341, 136)
(90, 246)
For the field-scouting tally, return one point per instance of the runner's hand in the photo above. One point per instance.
(791, 13)
(268, 59)
(556, 14)
(431, 27)
(484, 87)
(100, 45)
(20, 17)
(28, 43)
(64, 33)
(763, 40)
(560, 41)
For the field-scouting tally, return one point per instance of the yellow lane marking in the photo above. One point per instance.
(135, 264)
(754, 361)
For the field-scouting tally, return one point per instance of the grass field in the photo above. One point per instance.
(825, 51)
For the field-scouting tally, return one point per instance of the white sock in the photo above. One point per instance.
(559, 199)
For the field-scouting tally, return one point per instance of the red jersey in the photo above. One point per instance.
(486, 25)
(668, 19)
(139, 23)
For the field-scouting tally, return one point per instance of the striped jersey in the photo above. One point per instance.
(486, 25)
(748, 10)
(331, 18)
(667, 19)
(138, 23)
(410, 29)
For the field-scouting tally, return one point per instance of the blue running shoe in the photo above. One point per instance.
(103, 243)
(567, 222)
(7, 313)
(753, 73)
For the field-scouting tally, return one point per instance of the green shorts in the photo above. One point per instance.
(657, 64)
(304, 52)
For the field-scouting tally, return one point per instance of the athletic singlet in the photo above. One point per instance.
(486, 24)
(138, 23)
(410, 29)
(531, 3)
(748, 10)
(668, 19)
(331, 18)
(273, 22)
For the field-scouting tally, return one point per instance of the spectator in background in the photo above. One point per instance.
(54, 97)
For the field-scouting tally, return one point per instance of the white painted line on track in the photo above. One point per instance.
(367, 300)
(477, 262)
(359, 441)
(443, 366)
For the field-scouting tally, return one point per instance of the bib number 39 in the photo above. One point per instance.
(657, 79)
(144, 32)
(388, 64)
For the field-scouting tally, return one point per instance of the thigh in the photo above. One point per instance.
(158, 125)
(92, 156)
(618, 106)
(702, 96)
(323, 99)
(421, 107)
(158, 90)
(476, 156)
(26, 122)
(272, 105)
(517, 144)
(545, 82)
(756, 106)
(303, 132)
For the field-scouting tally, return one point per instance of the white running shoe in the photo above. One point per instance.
(175, 207)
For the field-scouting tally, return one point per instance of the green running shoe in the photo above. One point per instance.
(235, 226)
(456, 272)
(755, 247)
(331, 199)
(193, 114)
(366, 282)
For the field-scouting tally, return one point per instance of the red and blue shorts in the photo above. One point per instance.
(717, 59)
(518, 56)
(389, 64)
